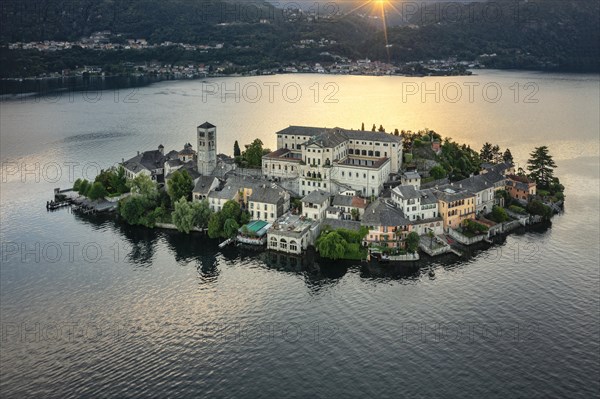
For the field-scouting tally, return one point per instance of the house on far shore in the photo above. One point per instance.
(520, 187)
(203, 187)
(315, 204)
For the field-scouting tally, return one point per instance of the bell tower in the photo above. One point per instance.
(207, 148)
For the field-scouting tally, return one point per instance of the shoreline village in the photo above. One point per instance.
(365, 195)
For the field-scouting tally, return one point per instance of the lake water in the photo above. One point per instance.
(92, 308)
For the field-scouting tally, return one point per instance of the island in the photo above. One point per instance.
(360, 195)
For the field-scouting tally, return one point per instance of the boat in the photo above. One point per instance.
(380, 257)
(226, 242)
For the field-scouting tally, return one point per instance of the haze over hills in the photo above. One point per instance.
(536, 34)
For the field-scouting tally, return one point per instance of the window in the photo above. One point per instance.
(293, 246)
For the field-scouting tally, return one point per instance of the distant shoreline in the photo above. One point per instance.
(53, 85)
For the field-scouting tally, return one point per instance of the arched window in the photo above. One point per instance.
(364, 152)
(283, 243)
(293, 246)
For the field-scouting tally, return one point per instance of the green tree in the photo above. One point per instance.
(215, 225)
(412, 242)
(76, 185)
(331, 245)
(143, 185)
(119, 181)
(183, 215)
(202, 213)
(362, 127)
(230, 228)
(135, 209)
(231, 210)
(374, 128)
(536, 207)
(486, 154)
(507, 156)
(381, 128)
(84, 186)
(437, 172)
(97, 191)
(499, 215)
(497, 156)
(236, 149)
(180, 185)
(430, 234)
(253, 154)
(541, 166)
(396, 132)
(354, 214)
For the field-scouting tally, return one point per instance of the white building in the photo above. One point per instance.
(149, 163)
(292, 234)
(412, 178)
(334, 160)
(203, 187)
(349, 204)
(420, 207)
(218, 198)
(268, 203)
(315, 204)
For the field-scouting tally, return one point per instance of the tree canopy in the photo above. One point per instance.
(541, 166)
(180, 185)
(331, 245)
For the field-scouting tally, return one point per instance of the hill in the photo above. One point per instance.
(535, 34)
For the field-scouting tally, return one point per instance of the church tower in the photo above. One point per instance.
(207, 148)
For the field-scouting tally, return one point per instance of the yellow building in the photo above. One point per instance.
(455, 206)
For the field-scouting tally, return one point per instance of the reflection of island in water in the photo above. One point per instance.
(142, 244)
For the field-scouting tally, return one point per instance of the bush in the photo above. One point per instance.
(437, 172)
(536, 207)
(498, 214)
(474, 227)
(517, 209)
